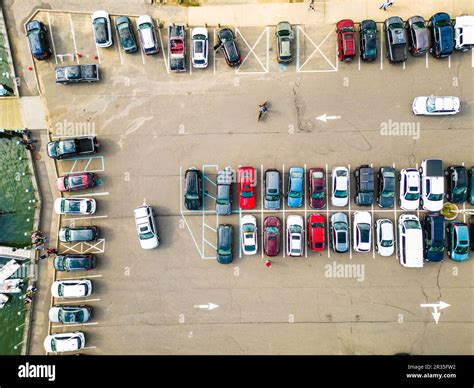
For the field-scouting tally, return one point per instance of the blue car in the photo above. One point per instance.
(470, 188)
(458, 241)
(37, 37)
(442, 35)
(295, 186)
(434, 246)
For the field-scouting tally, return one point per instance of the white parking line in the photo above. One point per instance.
(426, 60)
(373, 222)
(305, 215)
(84, 247)
(464, 205)
(214, 52)
(50, 28)
(88, 195)
(283, 232)
(418, 209)
(251, 51)
(73, 35)
(358, 63)
(350, 218)
(67, 301)
(74, 324)
(84, 218)
(261, 206)
(449, 62)
(166, 60)
(81, 277)
(119, 46)
(404, 65)
(395, 212)
(317, 49)
(210, 227)
(381, 54)
(327, 213)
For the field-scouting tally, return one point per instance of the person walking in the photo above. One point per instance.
(311, 6)
(386, 4)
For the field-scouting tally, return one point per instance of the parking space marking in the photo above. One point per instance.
(84, 218)
(73, 36)
(350, 217)
(327, 213)
(119, 46)
(210, 227)
(203, 213)
(426, 60)
(395, 214)
(464, 206)
(306, 223)
(50, 28)
(373, 221)
(86, 168)
(84, 247)
(88, 195)
(449, 62)
(67, 301)
(418, 209)
(261, 207)
(163, 49)
(75, 324)
(251, 51)
(81, 277)
(284, 209)
(316, 49)
(381, 54)
(404, 65)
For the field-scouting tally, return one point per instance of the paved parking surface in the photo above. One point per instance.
(152, 126)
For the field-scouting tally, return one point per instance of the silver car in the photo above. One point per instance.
(339, 226)
(284, 35)
(224, 193)
(272, 195)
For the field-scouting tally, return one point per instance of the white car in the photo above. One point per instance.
(71, 288)
(147, 35)
(146, 228)
(200, 47)
(384, 237)
(362, 232)
(340, 186)
(294, 236)
(102, 27)
(432, 185)
(248, 239)
(410, 241)
(75, 206)
(69, 315)
(464, 32)
(409, 189)
(436, 105)
(65, 342)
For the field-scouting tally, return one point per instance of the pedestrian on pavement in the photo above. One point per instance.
(40, 246)
(268, 263)
(43, 256)
(386, 4)
(28, 299)
(311, 6)
(31, 289)
(51, 251)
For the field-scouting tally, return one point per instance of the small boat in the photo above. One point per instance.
(3, 300)
(11, 286)
(8, 270)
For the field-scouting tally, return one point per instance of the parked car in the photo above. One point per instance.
(368, 40)
(470, 189)
(294, 236)
(38, 40)
(147, 35)
(193, 189)
(78, 181)
(464, 32)
(346, 44)
(339, 226)
(146, 228)
(224, 192)
(75, 206)
(229, 47)
(295, 186)
(74, 262)
(317, 188)
(72, 74)
(316, 232)
(102, 27)
(433, 231)
(272, 192)
(365, 185)
(200, 47)
(340, 186)
(396, 38)
(362, 226)
(248, 229)
(224, 244)
(418, 36)
(410, 241)
(71, 288)
(126, 35)
(386, 190)
(458, 241)
(436, 105)
(456, 177)
(409, 189)
(177, 47)
(432, 185)
(64, 342)
(247, 185)
(78, 234)
(284, 35)
(442, 35)
(70, 315)
(384, 237)
(271, 236)
(68, 148)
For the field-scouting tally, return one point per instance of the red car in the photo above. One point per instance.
(346, 44)
(316, 232)
(271, 236)
(317, 188)
(72, 182)
(247, 183)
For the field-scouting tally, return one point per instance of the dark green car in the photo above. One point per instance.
(126, 35)
(74, 262)
(456, 177)
(224, 244)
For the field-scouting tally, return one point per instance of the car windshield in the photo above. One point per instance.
(295, 229)
(431, 104)
(295, 194)
(462, 249)
(364, 231)
(412, 224)
(146, 236)
(145, 26)
(100, 28)
(248, 228)
(412, 196)
(272, 230)
(340, 226)
(53, 345)
(435, 197)
(246, 194)
(340, 194)
(226, 36)
(317, 195)
(61, 290)
(386, 243)
(388, 194)
(317, 225)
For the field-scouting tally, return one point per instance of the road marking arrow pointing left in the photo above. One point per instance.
(326, 117)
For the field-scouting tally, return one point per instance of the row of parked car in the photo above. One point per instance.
(417, 241)
(418, 188)
(440, 36)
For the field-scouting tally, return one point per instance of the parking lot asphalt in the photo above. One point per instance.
(152, 126)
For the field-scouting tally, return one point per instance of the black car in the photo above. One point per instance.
(126, 34)
(193, 189)
(456, 191)
(471, 232)
(386, 192)
(396, 37)
(434, 237)
(229, 47)
(442, 35)
(364, 176)
(368, 40)
(419, 36)
(74, 262)
(37, 38)
(224, 244)
(77, 73)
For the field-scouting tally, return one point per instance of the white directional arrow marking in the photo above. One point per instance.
(435, 306)
(209, 306)
(436, 316)
(326, 117)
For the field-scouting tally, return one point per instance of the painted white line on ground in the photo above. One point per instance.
(317, 49)
(381, 54)
(449, 62)
(251, 51)
(83, 218)
(214, 52)
(163, 50)
(50, 28)
(395, 212)
(358, 64)
(327, 214)
(283, 209)
(88, 195)
(404, 65)
(74, 324)
(261, 207)
(210, 227)
(426, 61)
(350, 218)
(119, 46)
(81, 277)
(67, 301)
(418, 209)
(73, 35)
(373, 222)
(305, 214)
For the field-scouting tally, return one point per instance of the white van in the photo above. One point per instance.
(147, 34)
(464, 32)
(410, 241)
